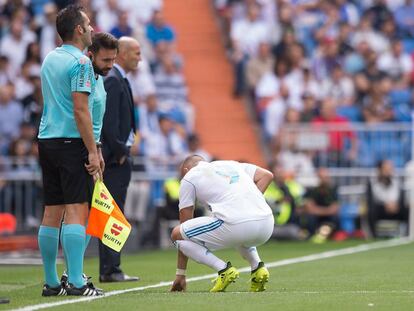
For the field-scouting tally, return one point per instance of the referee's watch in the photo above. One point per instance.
(98, 144)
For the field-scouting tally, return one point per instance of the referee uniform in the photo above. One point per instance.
(62, 156)
(62, 152)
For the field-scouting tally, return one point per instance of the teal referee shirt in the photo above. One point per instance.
(65, 70)
(98, 110)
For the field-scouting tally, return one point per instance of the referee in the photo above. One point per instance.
(67, 151)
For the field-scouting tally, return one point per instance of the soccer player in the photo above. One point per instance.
(240, 219)
(68, 153)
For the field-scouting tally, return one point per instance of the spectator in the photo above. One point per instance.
(365, 32)
(23, 85)
(348, 12)
(376, 105)
(268, 88)
(195, 148)
(33, 54)
(321, 208)
(397, 64)
(378, 13)
(11, 116)
(339, 87)
(5, 72)
(106, 16)
(338, 131)
(259, 65)
(309, 111)
(246, 35)
(281, 50)
(158, 30)
(49, 38)
(122, 28)
(172, 93)
(148, 117)
(33, 103)
(385, 198)
(164, 49)
(288, 151)
(369, 75)
(142, 82)
(14, 44)
(404, 16)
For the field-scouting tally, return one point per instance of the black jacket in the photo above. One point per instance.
(118, 119)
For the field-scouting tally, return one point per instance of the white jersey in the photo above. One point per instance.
(227, 188)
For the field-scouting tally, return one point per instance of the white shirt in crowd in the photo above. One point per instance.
(249, 35)
(15, 50)
(395, 66)
(227, 188)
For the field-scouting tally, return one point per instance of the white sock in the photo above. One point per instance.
(200, 254)
(251, 255)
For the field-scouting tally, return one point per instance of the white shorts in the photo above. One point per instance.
(216, 234)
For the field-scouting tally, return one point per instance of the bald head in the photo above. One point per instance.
(129, 54)
(189, 163)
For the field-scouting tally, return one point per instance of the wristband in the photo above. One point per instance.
(98, 144)
(180, 272)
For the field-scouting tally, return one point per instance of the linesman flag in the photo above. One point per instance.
(106, 220)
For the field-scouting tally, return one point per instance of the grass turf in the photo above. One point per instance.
(375, 280)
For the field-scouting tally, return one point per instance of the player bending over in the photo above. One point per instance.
(240, 219)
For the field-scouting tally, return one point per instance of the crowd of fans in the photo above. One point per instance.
(325, 62)
(324, 79)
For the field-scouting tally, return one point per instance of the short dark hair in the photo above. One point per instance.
(67, 19)
(103, 40)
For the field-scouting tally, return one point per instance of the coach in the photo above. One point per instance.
(118, 134)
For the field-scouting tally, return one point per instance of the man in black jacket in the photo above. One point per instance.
(117, 136)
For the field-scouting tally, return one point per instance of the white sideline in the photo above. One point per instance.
(284, 262)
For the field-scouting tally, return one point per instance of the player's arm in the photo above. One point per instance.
(180, 282)
(261, 177)
(187, 200)
(185, 214)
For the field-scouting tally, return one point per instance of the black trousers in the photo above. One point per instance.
(377, 212)
(116, 179)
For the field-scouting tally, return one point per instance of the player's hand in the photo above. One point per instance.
(93, 166)
(180, 284)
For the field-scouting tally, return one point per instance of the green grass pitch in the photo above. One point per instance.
(381, 279)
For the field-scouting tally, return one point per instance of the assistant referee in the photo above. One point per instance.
(67, 151)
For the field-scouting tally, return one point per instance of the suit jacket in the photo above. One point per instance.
(118, 119)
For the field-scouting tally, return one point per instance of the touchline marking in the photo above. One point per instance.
(285, 262)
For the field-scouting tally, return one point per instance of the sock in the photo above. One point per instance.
(87, 239)
(251, 255)
(62, 230)
(200, 254)
(48, 238)
(74, 245)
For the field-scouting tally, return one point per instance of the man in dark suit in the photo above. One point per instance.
(118, 133)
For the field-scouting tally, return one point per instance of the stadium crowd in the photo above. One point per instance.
(300, 61)
(325, 62)
(331, 85)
